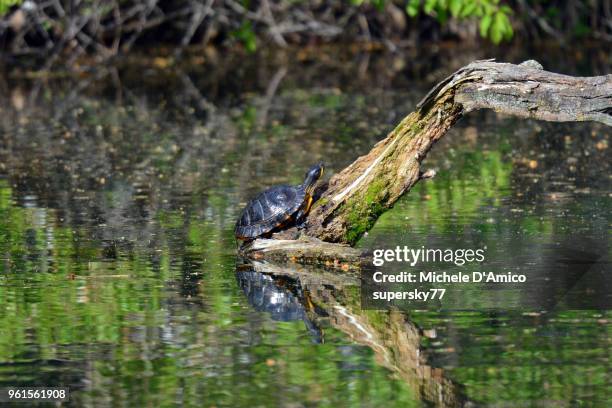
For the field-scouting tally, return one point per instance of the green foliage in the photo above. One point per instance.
(494, 17)
(5, 5)
(379, 4)
(246, 35)
(412, 7)
(582, 30)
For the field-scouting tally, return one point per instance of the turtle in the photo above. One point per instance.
(278, 207)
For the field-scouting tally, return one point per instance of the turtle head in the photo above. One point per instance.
(312, 176)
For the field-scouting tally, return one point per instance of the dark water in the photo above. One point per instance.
(118, 268)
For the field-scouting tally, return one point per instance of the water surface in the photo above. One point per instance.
(118, 268)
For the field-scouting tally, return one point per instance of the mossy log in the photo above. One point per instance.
(305, 250)
(354, 198)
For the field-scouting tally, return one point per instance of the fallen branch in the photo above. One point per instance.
(359, 194)
(355, 197)
(305, 250)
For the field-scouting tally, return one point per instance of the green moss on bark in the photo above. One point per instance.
(320, 202)
(364, 210)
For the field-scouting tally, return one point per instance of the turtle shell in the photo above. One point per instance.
(270, 209)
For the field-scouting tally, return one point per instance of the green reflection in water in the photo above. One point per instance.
(126, 288)
(161, 326)
(520, 357)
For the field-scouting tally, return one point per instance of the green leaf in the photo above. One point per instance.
(581, 30)
(505, 24)
(496, 34)
(469, 9)
(500, 28)
(442, 15)
(455, 7)
(509, 31)
(430, 5)
(246, 35)
(379, 4)
(412, 7)
(485, 24)
(5, 5)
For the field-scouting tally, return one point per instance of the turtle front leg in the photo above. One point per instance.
(300, 218)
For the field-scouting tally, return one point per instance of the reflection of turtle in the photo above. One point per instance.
(278, 207)
(282, 297)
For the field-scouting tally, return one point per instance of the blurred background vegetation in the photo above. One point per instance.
(44, 31)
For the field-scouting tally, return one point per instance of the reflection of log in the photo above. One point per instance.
(359, 194)
(394, 339)
(396, 346)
